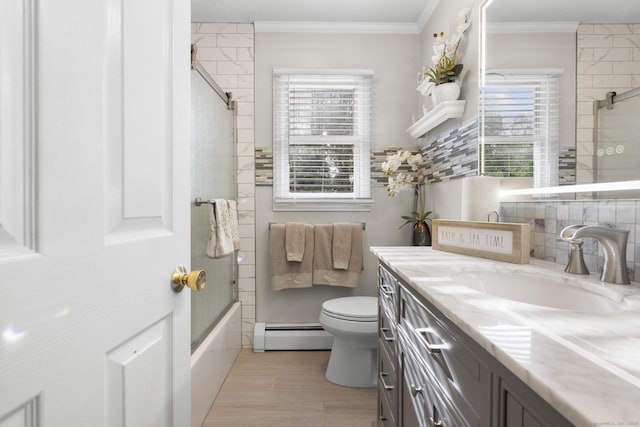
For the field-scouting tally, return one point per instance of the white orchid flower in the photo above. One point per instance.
(463, 15)
(415, 161)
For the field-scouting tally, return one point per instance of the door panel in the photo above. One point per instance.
(16, 129)
(90, 331)
(138, 379)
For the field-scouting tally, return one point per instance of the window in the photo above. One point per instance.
(520, 126)
(322, 131)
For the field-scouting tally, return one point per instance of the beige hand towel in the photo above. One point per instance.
(287, 274)
(294, 240)
(323, 271)
(220, 242)
(341, 245)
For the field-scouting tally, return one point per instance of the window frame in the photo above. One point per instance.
(360, 198)
(545, 144)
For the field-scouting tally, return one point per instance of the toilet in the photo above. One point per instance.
(353, 322)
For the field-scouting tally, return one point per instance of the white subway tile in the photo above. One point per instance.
(595, 40)
(204, 40)
(227, 82)
(246, 163)
(246, 122)
(245, 28)
(215, 28)
(247, 176)
(246, 270)
(246, 190)
(612, 81)
(216, 54)
(246, 135)
(247, 81)
(243, 95)
(235, 67)
(613, 54)
(612, 29)
(245, 54)
(585, 54)
(235, 40)
(595, 68)
(630, 40)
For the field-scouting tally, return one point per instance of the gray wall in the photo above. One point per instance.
(395, 58)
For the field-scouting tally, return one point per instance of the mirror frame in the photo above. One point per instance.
(563, 189)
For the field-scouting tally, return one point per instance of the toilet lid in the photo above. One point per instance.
(362, 309)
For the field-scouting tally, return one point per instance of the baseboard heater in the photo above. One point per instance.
(290, 336)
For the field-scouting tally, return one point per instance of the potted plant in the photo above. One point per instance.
(443, 79)
(401, 178)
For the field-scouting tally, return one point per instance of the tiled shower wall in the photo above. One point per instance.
(608, 60)
(227, 52)
(548, 218)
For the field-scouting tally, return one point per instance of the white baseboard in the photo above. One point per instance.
(290, 336)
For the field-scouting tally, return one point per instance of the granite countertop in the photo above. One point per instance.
(585, 365)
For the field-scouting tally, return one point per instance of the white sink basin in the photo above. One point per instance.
(555, 292)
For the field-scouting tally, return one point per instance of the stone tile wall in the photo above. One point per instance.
(548, 218)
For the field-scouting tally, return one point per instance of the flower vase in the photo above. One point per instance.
(421, 234)
(445, 92)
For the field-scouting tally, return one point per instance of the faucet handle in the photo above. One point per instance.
(567, 234)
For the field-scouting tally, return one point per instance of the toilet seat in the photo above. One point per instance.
(353, 309)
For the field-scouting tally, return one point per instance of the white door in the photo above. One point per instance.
(94, 212)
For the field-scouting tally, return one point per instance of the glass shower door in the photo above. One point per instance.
(212, 177)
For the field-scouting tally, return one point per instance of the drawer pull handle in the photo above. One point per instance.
(387, 290)
(415, 390)
(432, 420)
(388, 338)
(432, 348)
(384, 383)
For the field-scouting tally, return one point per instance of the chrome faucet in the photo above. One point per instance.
(614, 246)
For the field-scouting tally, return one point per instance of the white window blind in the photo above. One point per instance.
(322, 132)
(520, 126)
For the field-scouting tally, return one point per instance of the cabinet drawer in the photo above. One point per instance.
(388, 287)
(387, 365)
(446, 358)
(423, 402)
(386, 413)
(387, 332)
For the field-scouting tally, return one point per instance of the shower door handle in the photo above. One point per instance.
(194, 280)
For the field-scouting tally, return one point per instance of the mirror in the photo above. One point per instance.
(574, 52)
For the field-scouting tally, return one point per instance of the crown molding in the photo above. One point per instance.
(336, 27)
(532, 27)
(426, 13)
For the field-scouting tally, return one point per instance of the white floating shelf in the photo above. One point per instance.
(444, 111)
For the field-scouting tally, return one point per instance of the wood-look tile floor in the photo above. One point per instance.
(288, 389)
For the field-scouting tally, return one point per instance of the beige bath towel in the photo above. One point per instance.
(323, 271)
(294, 241)
(341, 245)
(289, 274)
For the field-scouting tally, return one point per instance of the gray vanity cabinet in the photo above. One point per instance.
(431, 374)
(387, 349)
(442, 381)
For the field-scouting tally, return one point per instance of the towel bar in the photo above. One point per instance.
(364, 224)
(199, 201)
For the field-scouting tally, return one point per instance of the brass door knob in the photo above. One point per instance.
(195, 280)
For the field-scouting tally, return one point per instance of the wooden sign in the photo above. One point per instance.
(501, 241)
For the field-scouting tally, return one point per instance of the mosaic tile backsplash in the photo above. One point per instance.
(453, 154)
(548, 218)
